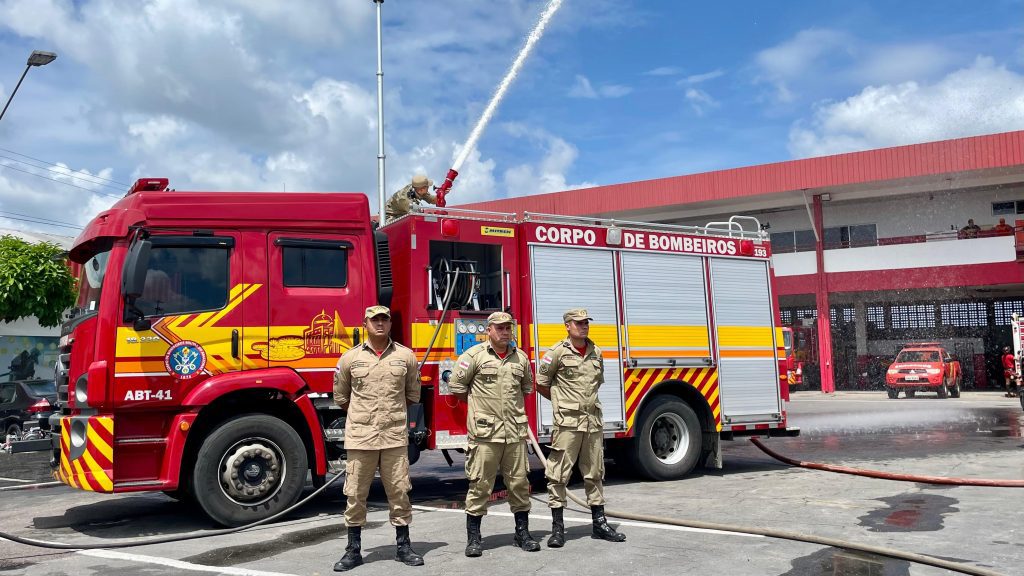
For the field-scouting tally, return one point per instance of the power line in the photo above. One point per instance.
(63, 172)
(34, 221)
(38, 218)
(55, 164)
(9, 167)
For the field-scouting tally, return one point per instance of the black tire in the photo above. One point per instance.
(13, 428)
(943, 391)
(893, 393)
(668, 438)
(954, 392)
(1022, 401)
(911, 393)
(270, 462)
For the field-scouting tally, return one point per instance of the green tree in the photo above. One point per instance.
(34, 281)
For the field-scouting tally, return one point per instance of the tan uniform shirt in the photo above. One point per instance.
(375, 391)
(574, 382)
(401, 203)
(496, 390)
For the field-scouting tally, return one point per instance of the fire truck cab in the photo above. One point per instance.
(200, 357)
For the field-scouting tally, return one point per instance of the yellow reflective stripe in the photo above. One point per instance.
(668, 336)
(94, 440)
(604, 335)
(98, 474)
(745, 337)
(106, 422)
(83, 484)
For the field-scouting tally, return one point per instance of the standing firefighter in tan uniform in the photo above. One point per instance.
(415, 192)
(375, 382)
(569, 375)
(494, 377)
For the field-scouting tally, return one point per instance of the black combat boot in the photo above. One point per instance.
(523, 537)
(602, 531)
(557, 539)
(474, 546)
(352, 557)
(406, 555)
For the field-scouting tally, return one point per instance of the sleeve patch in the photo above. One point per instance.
(463, 364)
(546, 360)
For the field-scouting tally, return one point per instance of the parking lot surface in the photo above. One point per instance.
(977, 436)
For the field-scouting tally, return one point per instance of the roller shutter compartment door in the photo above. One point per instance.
(665, 310)
(565, 278)
(748, 377)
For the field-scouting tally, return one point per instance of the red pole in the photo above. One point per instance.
(823, 323)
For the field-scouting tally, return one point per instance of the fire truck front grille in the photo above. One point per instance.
(913, 371)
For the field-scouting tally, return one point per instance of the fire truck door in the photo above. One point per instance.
(191, 301)
(317, 293)
(748, 368)
(565, 278)
(666, 312)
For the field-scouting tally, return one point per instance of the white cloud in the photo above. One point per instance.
(700, 78)
(981, 99)
(664, 71)
(582, 88)
(699, 100)
(793, 59)
(550, 174)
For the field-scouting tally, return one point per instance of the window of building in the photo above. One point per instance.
(848, 315)
(913, 316)
(965, 314)
(782, 242)
(1004, 208)
(1004, 311)
(787, 316)
(185, 275)
(863, 235)
(803, 240)
(876, 316)
(314, 263)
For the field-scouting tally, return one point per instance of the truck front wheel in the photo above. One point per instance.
(250, 467)
(668, 440)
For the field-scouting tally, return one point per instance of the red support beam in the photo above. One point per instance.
(824, 322)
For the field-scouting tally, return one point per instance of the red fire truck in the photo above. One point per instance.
(199, 361)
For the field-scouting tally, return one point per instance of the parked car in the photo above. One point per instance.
(24, 404)
(924, 367)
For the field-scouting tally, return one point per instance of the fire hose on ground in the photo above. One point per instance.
(782, 534)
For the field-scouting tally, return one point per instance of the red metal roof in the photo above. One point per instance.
(931, 158)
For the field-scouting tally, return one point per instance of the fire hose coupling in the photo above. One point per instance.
(446, 186)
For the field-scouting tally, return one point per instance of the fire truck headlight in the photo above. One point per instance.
(82, 391)
(892, 371)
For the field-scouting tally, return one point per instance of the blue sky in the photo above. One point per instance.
(238, 95)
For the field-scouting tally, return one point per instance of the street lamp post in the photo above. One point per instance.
(37, 58)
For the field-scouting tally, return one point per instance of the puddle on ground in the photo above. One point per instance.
(839, 562)
(232, 555)
(910, 513)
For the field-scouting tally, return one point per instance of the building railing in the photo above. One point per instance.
(943, 236)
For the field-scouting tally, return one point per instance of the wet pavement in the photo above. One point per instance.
(978, 436)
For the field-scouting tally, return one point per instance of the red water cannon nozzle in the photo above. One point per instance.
(443, 190)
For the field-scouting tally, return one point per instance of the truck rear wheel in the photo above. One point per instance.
(668, 440)
(250, 467)
(943, 390)
(954, 392)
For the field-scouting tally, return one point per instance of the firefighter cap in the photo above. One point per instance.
(376, 311)
(420, 180)
(576, 314)
(499, 318)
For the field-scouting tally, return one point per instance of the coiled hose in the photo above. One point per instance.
(782, 534)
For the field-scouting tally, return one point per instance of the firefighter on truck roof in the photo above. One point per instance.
(375, 382)
(494, 377)
(416, 192)
(570, 374)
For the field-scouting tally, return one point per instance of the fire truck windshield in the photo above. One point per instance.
(91, 282)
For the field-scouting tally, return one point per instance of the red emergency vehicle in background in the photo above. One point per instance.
(200, 357)
(924, 367)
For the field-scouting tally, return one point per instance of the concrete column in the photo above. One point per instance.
(860, 317)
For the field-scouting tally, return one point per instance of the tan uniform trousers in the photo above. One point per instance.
(482, 465)
(567, 447)
(394, 473)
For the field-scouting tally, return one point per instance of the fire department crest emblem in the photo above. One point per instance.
(186, 359)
